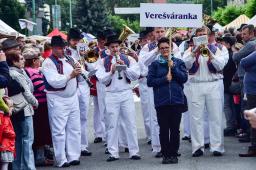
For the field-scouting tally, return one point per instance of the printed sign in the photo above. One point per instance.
(171, 15)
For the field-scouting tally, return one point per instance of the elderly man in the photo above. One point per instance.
(205, 75)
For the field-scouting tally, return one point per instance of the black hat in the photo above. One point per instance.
(241, 27)
(108, 32)
(143, 34)
(9, 43)
(112, 39)
(100, 35)
(57, 41)
(149, 29)
(229, 39)
(74, 33)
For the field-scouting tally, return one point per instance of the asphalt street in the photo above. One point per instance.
(229, 161)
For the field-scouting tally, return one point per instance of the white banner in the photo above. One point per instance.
(171, 15)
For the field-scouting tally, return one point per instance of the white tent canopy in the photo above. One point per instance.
(236, 23)
(6, 30)
(252, 21)
(218, 27)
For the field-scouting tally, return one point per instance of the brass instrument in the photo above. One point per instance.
(92, 54)
(204, 51)
(125, 33)
(123, 36)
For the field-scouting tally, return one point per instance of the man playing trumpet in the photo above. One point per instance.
(205, 63)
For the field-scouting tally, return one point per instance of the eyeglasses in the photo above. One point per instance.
(164, 48)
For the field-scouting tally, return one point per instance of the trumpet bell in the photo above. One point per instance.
(92, 56)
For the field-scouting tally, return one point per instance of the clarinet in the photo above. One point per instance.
(119, 72)
(71, 61)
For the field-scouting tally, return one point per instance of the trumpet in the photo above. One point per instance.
(119, 72)
(204, 51)
(72, 62)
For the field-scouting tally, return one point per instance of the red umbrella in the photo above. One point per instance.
(56, 32)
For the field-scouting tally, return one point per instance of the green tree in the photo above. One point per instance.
(250, 8)
(10, 12)
(118, 23)
(207, 5)
(230, 13)
(217, 15)
(91, 15)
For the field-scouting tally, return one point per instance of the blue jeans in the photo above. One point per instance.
(23, 127)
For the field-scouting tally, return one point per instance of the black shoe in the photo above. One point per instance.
(198, 153)
(86, 153)
(165, 160)
(105, 144)
(135, 157)
(159, 155)
(217, 153)
(74, 163)
(111, 159)
(126, 150)
(173, 160)
(107, 152)
(149, 142)
(186, 138)
(229, 132)
(65, 165)
(207, 146)
(98, 140)
(244, 140)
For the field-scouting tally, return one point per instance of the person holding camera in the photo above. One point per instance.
(205, 63)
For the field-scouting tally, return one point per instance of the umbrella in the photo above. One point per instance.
(56, 32)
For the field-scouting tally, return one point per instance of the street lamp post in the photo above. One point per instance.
(70, 13)
(55, 14)
(34, 15)
(211, 6)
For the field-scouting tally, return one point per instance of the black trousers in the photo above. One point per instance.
(251, 103)
(169, 118)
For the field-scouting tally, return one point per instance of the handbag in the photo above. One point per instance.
(19, 102)
(235, 88)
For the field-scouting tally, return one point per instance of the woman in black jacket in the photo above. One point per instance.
(169, 99)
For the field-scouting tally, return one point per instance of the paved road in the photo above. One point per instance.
(230, 161)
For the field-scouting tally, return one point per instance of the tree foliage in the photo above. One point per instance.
(10, 12)
(91, 15)
(250, 8)
(227, 14)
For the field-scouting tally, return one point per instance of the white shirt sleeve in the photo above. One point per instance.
(103, 76)
(133, 71)
(52, 76)
(188, 59)
(219, 60)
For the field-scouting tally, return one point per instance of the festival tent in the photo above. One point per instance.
(218, 27)
(236, 23)
(252, 21)
(7, 31)
(56, 32)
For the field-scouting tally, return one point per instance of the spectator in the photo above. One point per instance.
(11, 46)
(229, 70)
(7, 135)
(47, 50)
(249, 46)
(42, 132)
(249, 65)
(22, 121)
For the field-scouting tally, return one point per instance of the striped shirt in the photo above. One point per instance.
(38, 82)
